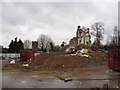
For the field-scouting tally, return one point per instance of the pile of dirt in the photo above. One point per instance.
(99, 56)
(58, 61)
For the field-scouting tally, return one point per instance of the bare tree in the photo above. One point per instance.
(27, 44)
(98, 31)
(44, 42)
(116, 36)
(109, 39)
(119, 37)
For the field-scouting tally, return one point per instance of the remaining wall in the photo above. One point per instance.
(82, 37)
(34, 46)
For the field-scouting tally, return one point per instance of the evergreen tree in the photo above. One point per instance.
(51, 46)
(15, 47)
(63, 44)
(20, 45)
(11, 48)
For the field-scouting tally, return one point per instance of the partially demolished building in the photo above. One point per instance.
(82, 37)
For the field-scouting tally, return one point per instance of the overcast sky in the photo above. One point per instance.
(58, 20)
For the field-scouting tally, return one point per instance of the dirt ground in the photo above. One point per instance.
(58, 61)
(49, 79)
(51, 69)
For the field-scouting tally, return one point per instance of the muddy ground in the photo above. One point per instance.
(51, 70)
(50, 79)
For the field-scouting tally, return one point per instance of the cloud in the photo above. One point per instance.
(59, 20)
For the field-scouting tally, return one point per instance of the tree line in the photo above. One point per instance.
(98, 31)
(15, 46)
(45, 43)
(114, 40)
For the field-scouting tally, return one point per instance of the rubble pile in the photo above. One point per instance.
(100, 56)
(56, 61)
(59, 61)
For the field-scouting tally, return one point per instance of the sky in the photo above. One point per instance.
(58, 20)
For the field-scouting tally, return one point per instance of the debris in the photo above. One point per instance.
(78, 51)
(58, 60)
(67, 55)
(26, 65)
(12, 62)
(86, 55)
(109, 71)
(67, 50)
(82, 50)
(70, 50)
(67, 80)
(73, 54)
(85, 51)
(85, 79)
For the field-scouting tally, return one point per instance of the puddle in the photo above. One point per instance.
(32, 80)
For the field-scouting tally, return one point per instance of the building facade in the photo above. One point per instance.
(82, 37)
(34, 46)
